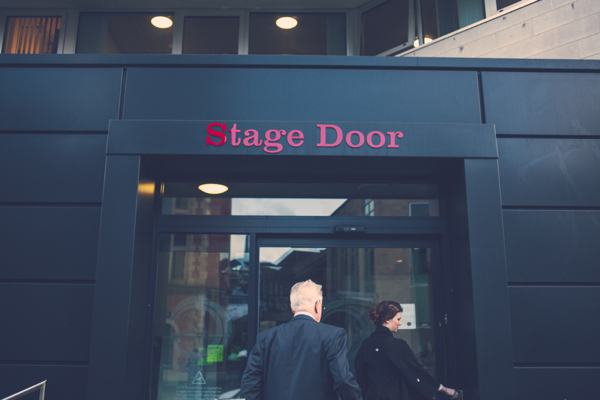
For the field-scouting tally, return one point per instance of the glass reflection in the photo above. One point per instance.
(201, 321)
(354, 279)
(305, 199)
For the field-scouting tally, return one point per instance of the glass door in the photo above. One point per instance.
(356, 275)
(201, 316)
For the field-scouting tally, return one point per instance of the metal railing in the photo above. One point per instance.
(40, 386)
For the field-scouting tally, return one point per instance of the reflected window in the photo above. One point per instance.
(128, 33)
(385, 27)
(354, 279)
(314, 34)
(327, 199)
(211, 35)
(201, 320)
(31, 35)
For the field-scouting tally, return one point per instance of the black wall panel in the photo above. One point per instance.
(542, 103)
(552, 246)
(64, 382)
(550, 172)
(52, 168)
(557, 383)
(44, 323)
(53, 243)
(302, 95)
(555, 325)
(59, 99)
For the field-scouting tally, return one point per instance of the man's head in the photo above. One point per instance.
(307, 296)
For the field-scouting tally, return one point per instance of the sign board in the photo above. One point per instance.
(409, 317)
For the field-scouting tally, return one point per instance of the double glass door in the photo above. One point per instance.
(215, 292)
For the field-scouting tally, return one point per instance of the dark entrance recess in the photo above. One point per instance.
(128, 258)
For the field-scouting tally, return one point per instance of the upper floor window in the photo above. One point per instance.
(31, 35)
(211, 35)
(127, 33)
(442, 17)
(500, 4)
(387, 28)
(309, 34)
(377, 27)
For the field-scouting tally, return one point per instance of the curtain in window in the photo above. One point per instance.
(31, 35)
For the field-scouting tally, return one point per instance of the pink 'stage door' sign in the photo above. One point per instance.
(273, 140)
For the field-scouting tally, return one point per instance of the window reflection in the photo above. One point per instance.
(315, 34)
(354, 279)
(126, 33)
(403, 200)
(385, 27)
(201, 319)
(211, 35)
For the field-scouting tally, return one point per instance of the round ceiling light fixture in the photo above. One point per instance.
(286, 22)
(213, 188)
(161, 22)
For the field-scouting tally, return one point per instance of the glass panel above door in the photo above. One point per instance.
(201, 317)
(354, 279)
(304, 199)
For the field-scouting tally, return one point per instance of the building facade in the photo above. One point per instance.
(468, 190)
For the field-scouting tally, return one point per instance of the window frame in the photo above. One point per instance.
(412, 23)
(37, 12)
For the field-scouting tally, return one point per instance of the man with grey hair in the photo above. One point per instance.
(301, 359)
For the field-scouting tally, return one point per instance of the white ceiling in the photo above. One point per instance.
(186, 4)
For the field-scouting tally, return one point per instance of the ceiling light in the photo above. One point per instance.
(213, 188)
(286, 22)
(161, 22)
(427, 40)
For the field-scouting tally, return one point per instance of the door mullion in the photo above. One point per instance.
(253, 290)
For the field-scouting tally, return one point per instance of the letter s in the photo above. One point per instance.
(220, 134)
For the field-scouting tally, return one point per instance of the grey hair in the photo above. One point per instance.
(304, 294)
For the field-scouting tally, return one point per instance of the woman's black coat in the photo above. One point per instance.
(386, 369)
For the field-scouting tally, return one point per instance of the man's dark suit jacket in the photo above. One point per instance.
(386, 369)
(299, 360)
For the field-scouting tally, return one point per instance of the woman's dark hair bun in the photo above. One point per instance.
(384, 311)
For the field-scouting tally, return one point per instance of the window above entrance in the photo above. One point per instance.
(304, 199)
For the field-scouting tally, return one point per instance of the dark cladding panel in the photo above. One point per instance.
(64, 382)
(45, 323)
(292, 94)
(58, 243)
(542, 103)
(556, 383)
(59, 99)
(552, 246)
(550, 172)
(52, 167)
(556, 325)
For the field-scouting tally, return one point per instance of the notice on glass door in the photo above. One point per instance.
(197, 393)
(409, 318)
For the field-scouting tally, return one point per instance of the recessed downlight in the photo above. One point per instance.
(161, 22)
(286, 22)
(213, 188)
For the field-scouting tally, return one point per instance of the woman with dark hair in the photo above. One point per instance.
(386, 367)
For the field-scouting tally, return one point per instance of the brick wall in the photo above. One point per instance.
(551, 29)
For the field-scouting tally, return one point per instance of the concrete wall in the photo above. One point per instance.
(551, 29)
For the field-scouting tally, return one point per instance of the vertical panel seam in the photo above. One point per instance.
(122, 95)
(481, 101)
